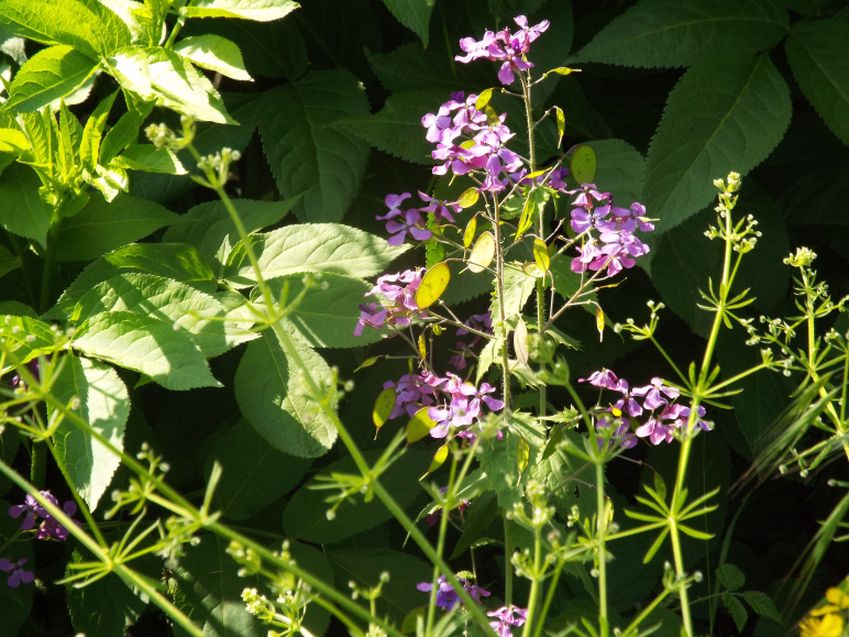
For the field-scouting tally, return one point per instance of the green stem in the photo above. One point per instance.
(601, 528)
(499, 290)
(536, 583)
(38, 463)
(508, 562)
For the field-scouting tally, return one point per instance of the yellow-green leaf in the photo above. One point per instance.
(469, 232)
(483, 99)
(469, 198)
(523, 454)
(520, 342)
(560, 118)
(483, 253)
(582, 164)
(439, 458)
(527, 218)
(564, 70)
(383, 406)
(433, 284)
(420, 425)
(422, 346)
(541, 256)
(12, 141)
(371, 360)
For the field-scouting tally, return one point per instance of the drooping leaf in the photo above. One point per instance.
(305, 152)
(23, 212)
(103, 226)
(105, 405)
(169, 357)
(665, 33)
(315, 247)
(254, 473)
(259, 10)
(215, 53)
(723, 115)
(273, 397)
(47, 76)
(413, 14)
(817, 52)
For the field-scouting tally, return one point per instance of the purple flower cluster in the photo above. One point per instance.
(452, 402)
(610, 242)
(463, 348)
(414, 220)
(466, 141)
(662, 415)
(17, 573)
(49, 529)
(446, 597)
(397, 306)
(505, 618)
(502, 46)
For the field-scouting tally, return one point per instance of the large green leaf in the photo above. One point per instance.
(305, 152)
(23, 213)
(413, 14)
(103, 226)
(254, 473)
(818, 52)
(27, 338)
(154, 73)
(273, 397)
(47, 76)
(667, 33)
(259, 10)
(86, 25)
(411, 68)
(318, 247)
(621, 169)
(721, 116)
(170, 357)
(397, 128)
(8, 261)
(105, 405)
(215, 53)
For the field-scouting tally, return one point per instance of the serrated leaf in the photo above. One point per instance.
(23, 213)
(104, 403)
(149, 158)
(731, 577)
(413, 14)
(541, 256)
(152, 347)
(410, 67)
(721, 116)
(92, 136)
(433, 284)
(763, 605)
(47, 76)
(258, 10)
(737, 611)
(306, 153)
(103, 226)
(518, 287)
(315, 247)
(272, 395)
(254, 474)
(817, 52)
(666, 33)
(160, 75)
(214, 53)
(26, 337)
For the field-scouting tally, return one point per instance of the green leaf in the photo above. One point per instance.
(258, 10)
(819, 56)
(23, 213)
(272, 395)
(730, 577)
(410, 67)
(149, 158)
(306, 515)
(160, 75)
(152, 347)
(397, 128)
(27, 338)
(721, 116)
(214, 53)
(86, 25)
(8, 261)
(413, 14)
(102, 226)
(209, 228)
(255, 474)
(315, 247)
(305, 152)
(763, 605)
(518, 287)
(666, 33)
(103, 403)
(92, 136)
(737, 611)
(47, 76)
(620, 170)
(329, 310)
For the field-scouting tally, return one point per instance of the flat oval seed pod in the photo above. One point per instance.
(483, 253)
(419, 426)
(383, 406)
(433, 284)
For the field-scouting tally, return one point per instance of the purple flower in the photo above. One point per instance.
(397, 296)
(506, 617)
(51, 529)
(447, 597)
(655, 392)
(400, 222)
(621, 435)
(32, 511)
(17, 574)
(603, 378)
(508, 48)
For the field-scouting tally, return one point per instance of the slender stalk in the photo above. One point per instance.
(601, 529)
(499, 290)
(536, 583)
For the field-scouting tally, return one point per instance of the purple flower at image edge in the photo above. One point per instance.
(32, 511)
(17, 573)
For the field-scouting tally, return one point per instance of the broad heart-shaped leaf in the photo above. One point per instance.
(254, 473)
(15, 602)
(327, 314)
(306, 515)
(215, 53)
(208, 227)
(87, 26)
(105, 405)
(819, 56)
(170, 357)
(721, 116)
(258, 10)
(273, 397)
(103, 226)
(397, 128)
(154, 73)
(413, 14)
(305, 152)
(620, 170)
(314, 247)
(47, 76)
(666, 33)
(23, 213)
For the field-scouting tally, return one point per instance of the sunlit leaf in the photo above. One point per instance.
(433, 284)
(419, 425)
(383, 406)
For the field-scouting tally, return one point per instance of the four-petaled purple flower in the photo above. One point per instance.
(506, 618)
(446, 597)
(397, 306)
(32, 511)
(17, 573)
